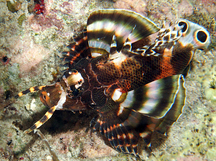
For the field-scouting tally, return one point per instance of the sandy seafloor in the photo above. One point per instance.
(33, 44)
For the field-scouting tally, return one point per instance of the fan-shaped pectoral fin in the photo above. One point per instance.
(174, 113)
(104, 26)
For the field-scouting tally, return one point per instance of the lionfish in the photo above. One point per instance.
(134, 84)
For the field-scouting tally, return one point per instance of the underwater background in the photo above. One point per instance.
(32, 36)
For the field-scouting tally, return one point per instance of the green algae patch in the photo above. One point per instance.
(21, 19)
(13, 6)
(211, 153)
(201, 138)
(209, 84)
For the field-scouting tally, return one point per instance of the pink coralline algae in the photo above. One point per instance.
(41, 23)
(185, 8)
(31, 55)
(135, 5)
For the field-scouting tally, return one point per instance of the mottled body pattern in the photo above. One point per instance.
(135, 85)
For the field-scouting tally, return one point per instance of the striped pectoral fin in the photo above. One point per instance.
(125, 25)
(39, 123)
(174, 113)
(154, 106)
(154, 99)
(30, 90)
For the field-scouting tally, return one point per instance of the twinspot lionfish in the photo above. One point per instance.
(135, 85)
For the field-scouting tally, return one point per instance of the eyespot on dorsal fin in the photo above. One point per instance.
(193, 34)
(125, 25)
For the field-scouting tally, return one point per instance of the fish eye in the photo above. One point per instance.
(184, 25)
(201, 36)
(44, 97)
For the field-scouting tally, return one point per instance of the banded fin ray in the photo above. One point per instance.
(125, 25)
(122, 138)
(77, 50)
